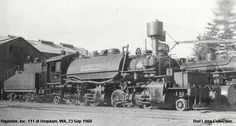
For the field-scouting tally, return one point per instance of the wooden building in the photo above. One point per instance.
(14, 51)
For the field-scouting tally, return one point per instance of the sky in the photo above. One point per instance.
(103, 24)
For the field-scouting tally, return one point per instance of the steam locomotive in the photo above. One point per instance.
(116, 78)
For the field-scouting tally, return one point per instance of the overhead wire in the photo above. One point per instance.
(180, 27)
(176, 42)
(183, 28)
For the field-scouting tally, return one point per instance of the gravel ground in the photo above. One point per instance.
(27, 114)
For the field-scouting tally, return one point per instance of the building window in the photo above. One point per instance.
(10, 49)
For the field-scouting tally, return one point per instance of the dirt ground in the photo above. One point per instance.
(27, 114)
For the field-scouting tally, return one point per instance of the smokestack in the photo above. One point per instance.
(156, 33)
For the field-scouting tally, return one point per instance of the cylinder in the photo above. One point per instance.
(229, 92)
(231, 95)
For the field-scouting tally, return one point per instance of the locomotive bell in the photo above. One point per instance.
(156, 33)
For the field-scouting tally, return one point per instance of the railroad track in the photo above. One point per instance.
(116, 113)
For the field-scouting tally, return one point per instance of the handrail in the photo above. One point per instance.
(11, 72)
(126, 54)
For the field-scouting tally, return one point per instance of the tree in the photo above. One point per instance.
(202, 49)
(225, 18)
(223, 27)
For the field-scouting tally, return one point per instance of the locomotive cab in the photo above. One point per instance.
(56, 70)
(57, 67)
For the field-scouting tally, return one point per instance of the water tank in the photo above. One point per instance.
(155, 28)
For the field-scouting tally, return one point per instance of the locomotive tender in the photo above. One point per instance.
(113, 77)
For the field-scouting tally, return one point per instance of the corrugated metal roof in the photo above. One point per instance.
(50, 47)
(47, 46)
(76, 49)
(5, 39)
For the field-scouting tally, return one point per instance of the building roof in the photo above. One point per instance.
(50, 47)
(5, 39)
(47, 46)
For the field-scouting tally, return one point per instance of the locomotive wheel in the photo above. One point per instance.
(94, 104)
(147, 106)
(11, 96)
(33, 97)
(117, 98)
(72, 101)
(56, 99)
(136, 102)
(83, 102)
(27, 97)
(181, 104)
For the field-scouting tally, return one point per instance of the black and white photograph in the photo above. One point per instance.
(117, 62)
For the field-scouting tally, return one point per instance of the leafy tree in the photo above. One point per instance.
(223, 27)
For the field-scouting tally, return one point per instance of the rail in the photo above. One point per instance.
(11, 72)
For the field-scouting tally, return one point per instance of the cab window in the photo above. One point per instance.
(58, 67)
(52, 67)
